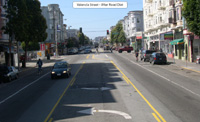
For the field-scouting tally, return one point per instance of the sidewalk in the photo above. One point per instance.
(32, 63)
(185, 65)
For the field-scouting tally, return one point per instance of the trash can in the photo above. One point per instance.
(48, 57)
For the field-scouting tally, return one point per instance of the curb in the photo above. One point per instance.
(190, 69)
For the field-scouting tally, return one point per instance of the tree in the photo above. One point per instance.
(81, 38)
(25, 21)
(17, 20)
(191, 13)
(118, 35)
(71, 42)
(32, 46)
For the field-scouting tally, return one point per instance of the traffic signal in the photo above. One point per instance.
(107, 32)
(80, 30)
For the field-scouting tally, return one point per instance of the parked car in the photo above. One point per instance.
(8, 73)
(145, 55)
(126, 48)
(72, 50)
(61, 69)
(158, 58)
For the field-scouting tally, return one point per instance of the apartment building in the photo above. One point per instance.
(163, 27)
(55, 31)
(133, 28)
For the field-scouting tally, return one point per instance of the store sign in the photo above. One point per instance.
(168, 36)
(138, 37)
(42, 47)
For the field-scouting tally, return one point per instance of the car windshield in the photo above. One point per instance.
(149, 51)
(160, 54)
(60, 65)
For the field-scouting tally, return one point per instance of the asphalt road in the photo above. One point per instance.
(104, 87)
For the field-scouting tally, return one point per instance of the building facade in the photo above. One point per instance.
(55, 31)
(133, 28)
(163, 27)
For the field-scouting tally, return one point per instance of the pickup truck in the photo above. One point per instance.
(126, 48)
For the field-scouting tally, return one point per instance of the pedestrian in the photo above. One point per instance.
(136, 54)
(39, 64)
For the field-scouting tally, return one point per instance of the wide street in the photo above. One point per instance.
(104, 87)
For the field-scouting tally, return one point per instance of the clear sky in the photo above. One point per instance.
(94, 22)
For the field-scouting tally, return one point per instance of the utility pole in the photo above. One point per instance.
(55, 31)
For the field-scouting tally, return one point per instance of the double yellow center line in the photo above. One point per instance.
(129, 82)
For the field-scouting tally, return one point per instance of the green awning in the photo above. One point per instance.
(177, 41)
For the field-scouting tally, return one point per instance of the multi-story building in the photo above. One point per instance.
(54, 20)
(4, 39)
(157, 28)
(163, 27)
(72, 33)
(133, 28)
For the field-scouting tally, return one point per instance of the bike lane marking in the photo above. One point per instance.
(23, 88)
(163, 77)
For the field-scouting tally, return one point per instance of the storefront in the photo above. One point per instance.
(196, 48)
(165, 40)
(178, 48)
(154, 43)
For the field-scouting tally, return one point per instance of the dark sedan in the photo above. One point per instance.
(61, 69)
(8, 73)
(158, 58)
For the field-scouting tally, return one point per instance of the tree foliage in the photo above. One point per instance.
(118, 35)
(25, 21)
(72, 42)
(191, 12)
(81, 37)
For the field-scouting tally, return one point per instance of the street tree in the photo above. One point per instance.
(16, 25)
(118, 35)
(81, 37)
(191, 13)
(36, 29)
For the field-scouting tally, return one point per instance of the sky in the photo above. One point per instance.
(94, 22)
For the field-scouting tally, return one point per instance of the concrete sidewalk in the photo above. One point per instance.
(185, 65)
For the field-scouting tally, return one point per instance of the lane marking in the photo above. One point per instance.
(23, 88)
(106, 55)
(143, 96)
(155, 116)
(93, 57)
(87, 56)
(54, 107)
(50, 120)
(126, 79)
(164, 78)
(91, 111)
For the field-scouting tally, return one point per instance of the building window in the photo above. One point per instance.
(138, 21)
(52, 37)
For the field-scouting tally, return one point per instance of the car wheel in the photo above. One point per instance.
(52, 77)
(120, 51)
